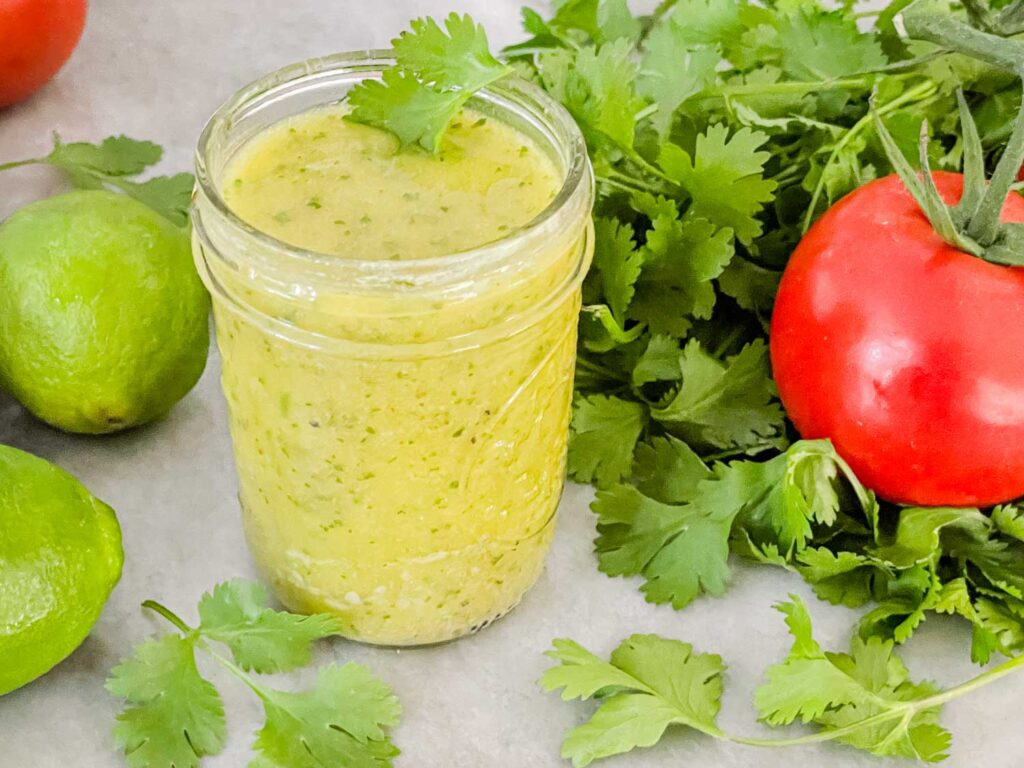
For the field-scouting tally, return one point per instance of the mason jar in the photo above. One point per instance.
(399, 427)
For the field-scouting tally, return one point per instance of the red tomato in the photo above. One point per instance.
(906, 352)
(36, 38)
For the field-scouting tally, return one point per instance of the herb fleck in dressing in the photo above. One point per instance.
(410, 494)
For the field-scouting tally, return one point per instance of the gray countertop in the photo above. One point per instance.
(155, 69)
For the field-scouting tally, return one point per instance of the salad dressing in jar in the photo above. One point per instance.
(397, 334)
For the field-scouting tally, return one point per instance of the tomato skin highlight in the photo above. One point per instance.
(906, 352)
(36, 38)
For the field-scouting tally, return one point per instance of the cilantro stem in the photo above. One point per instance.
(657, 15)
(648, 168)
(747, 450)
(989, 676)
(921, 92)
(168, 614)
(21, 163)
(582, 362)
(727, 341)
(238, 672)
(791, 86)
(663, 8)
(621, 185)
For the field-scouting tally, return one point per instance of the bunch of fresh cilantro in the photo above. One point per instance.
(718, 131)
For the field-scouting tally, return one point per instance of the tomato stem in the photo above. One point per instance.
(974, 225)
(955, 35)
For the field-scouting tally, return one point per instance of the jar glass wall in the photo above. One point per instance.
(399, 427)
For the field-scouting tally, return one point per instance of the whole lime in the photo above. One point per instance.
(103, 319)
(60, 557)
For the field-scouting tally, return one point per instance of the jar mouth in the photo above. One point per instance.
(511, 95)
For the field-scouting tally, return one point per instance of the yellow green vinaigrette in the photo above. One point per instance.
(398, 367)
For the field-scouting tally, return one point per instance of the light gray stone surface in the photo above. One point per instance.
(156, 69)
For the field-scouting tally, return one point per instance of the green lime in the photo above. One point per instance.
(60, 557)
(103, 319)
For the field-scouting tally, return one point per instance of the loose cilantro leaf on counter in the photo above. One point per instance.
(436, 72)
(649, 684)
(864, 698)
(237, 613)
(174, 716)
(111, 164)
(343, 720)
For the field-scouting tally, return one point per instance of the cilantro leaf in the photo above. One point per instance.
(659, 361)
(581, 674)
(681, 549)
(436, 72)
(170, 196)
(110, 164)
(604, 432)
(955, 598)
(720, 22)
(819, 45)
(114, 156)
(678, 536)
(617, 262)
(457, 57)
(543, 35)
(752, 286)
(841, 578)
(919, 533)
(668, 470)
(723, 177)
(596, 86)
(342, 720)
(672, 70)
(401, 104)
(726, 405)
(174, 716)
(680, 259)
(600, 20)
(864, 698)
(904, 601)
(237, 613)
(654, 683)
(780, 499)
(1009, 519)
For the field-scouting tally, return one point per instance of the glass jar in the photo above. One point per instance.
(399, 427)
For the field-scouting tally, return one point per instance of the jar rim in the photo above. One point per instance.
(508, 94)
